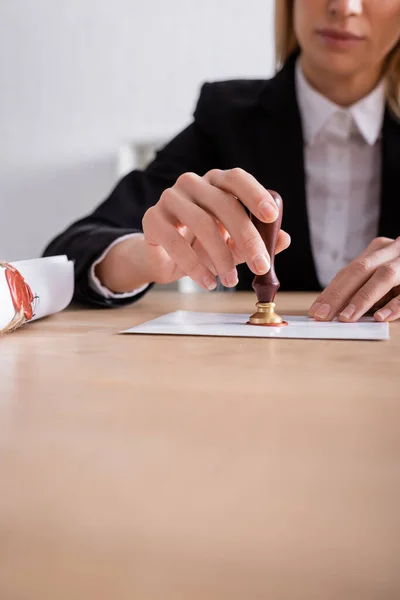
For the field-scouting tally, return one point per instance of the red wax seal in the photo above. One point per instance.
(21, 293)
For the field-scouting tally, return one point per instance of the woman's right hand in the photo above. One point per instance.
(199, 228)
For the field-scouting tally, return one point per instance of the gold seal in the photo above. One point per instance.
(266, 315)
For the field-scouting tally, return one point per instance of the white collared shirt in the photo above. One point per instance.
(342, 149)
(343, 179)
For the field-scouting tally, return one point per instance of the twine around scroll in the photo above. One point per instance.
(21, 296)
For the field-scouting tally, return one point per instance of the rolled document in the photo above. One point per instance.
(32, 289)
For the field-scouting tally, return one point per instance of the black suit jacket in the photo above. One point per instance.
(255, 125)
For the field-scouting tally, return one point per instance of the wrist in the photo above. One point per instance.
(125, 267)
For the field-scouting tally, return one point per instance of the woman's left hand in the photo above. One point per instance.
(370, 281)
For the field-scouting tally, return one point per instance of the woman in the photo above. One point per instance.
(324, 133)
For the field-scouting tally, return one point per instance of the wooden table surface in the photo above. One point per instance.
(169, 468)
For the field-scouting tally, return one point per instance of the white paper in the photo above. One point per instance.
(235, 325)
(51, 280)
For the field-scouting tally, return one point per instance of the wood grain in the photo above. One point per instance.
(149, 468)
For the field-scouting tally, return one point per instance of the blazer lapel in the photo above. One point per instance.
(389, 224)
(276, 159)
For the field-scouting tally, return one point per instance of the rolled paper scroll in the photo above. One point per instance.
(32, 289)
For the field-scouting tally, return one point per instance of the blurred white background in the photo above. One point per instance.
(79, 78)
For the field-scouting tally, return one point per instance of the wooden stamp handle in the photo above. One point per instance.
(266, 286)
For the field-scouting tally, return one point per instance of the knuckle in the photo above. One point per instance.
(234, 174)
(334, 295)
(360, 267)
(237, 171)
(250, 240)
(176, 247)
(177, 244)
(187, 179)
(167, 197)
(388, 271)
(226, 260)
(213, 173)
(192, 268)
(366, 295)
(206, 224)
(379, 242)
(227, 205)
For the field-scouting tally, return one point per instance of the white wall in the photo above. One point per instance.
(80, 77)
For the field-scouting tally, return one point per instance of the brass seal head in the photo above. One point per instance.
(266, 315)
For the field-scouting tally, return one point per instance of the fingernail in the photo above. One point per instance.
(261, 264)
(323, 312)
(349, 311)
(210, 282)
(314, 308)
(268, 211)
(231, 278)
(383, 314)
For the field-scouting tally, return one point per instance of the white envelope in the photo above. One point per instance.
(235, 325)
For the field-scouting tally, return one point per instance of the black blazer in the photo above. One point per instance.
(255, 125)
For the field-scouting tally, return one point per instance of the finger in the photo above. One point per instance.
(230, 212)
(381, 302)
(350, 279)
(197, 246)
(236, 254)
(282, 244)
(164, 269)
(382, 281)
(159, 231)
(203, 256)
(176, 206)
(244, 186)
(376, 244)
(391, 311)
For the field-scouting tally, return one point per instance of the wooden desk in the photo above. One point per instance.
(162, 468)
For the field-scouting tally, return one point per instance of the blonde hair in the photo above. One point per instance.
(286, 43)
